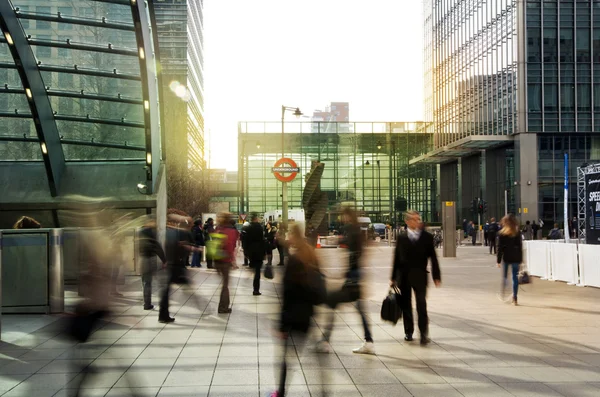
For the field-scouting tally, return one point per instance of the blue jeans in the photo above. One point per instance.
(515, 277)
(196, 259)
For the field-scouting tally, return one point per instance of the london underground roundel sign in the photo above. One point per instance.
(285, 165)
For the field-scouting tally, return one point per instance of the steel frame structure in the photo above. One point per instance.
(148, 71)
(45, 119)
(37, 97)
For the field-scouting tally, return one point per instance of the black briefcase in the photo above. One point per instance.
(391, 309)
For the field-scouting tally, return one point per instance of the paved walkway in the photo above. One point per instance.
(547, 346)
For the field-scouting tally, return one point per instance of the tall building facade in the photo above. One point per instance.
(511, 86)
(337, 114)
(180, 34)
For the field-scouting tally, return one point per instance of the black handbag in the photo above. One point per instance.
(391, 309)
(268, 272)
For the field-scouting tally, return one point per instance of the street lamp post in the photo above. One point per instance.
(284, 190)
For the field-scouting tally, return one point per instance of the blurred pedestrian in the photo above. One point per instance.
(472, 231)
(179, 243)
(528, 231)
(486, 229)
(465, 226)
(255, 247)
(243, 240)
(510, 253)
(351, 290)
(270, 233)
(198, 237)
(555, 233)
(149, 249)
(493, 234)
(280, 244)
(225, 259)
(208, 228)
(413, 251)
(299, 292)
(534, 230)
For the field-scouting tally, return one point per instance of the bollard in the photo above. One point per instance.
(56, 282)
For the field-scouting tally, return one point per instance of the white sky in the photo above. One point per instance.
(261, 54)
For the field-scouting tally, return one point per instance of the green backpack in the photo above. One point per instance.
(215, 246)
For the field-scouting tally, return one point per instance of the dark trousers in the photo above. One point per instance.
(420, 289)
(281, 253)
(224, 268)
(344, 296)
(257, 265)
(485, 238)
(175, 275)
(474, 238)
(492, 237)
(163, 311)
(147, 288)
(210, 263)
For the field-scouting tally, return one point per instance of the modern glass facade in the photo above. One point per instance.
(470, 73)
(180, 26)
(92, 77)
(563, 66)
(79, 109)
(367, 167)
(519, 78)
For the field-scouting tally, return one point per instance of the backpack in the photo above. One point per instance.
(215, 247)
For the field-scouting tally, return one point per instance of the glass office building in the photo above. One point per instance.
(510, 87)
(366, 166)
(180, 27)
(79, 108)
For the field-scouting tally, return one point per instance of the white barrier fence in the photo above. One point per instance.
(571, 262)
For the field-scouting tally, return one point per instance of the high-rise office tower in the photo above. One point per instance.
(510, 87)
(180, 35)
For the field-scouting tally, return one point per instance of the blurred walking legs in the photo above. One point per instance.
(298, 340)
(147, 290)
(224, 268)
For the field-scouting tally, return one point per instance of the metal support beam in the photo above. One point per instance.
(114, 74)
(159, 75)
(75, 21)
(148, 71)
(39, 103)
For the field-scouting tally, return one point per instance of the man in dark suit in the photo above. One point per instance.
(413, 250)
(255, 249)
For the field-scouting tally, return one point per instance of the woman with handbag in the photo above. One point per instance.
(300, 295)
(510, 250)
(354, 239)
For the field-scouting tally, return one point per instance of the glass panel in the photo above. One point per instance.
(17, 127)
(10, 77)
(78, 152)
(584, 102)
(98, 133)
(567, 97)
(566, 45)
(17, 151)
(551, 97)
(583, 45)
(550, 45)
(534, 45)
